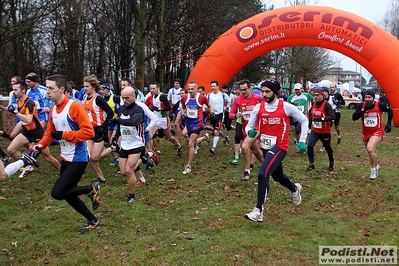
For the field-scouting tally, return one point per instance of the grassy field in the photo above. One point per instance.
(197, 219)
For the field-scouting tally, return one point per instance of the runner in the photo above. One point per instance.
(159, 104)
(273, 116)
(131, 130)
(99, 113)
(242, 108)
(321, 115)
(370, 111)
(217, 100)
(71, 126)
(192, 108)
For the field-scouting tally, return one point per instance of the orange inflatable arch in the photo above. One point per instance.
(363, 41)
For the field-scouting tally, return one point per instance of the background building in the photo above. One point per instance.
(339, 76)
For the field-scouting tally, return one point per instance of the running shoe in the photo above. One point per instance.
(98, 180)
(149, 165)
(310, 168)
(187, 170)
(29, 160)
(246, 176)
(322, 149)
(27, 170)
(158, 151)
(94, 195)
(208, 139)
(114, 162)
(234, 161)
(179, 151)
(226, 141)
(213, 150)
(89, 226)
(296, 196)
(255, 215)
(130, 198)
(155, 157)
(374, 173)
(339, 139)
(196, 149)
(7, 160)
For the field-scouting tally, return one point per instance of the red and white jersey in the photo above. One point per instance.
(96, 114)
(322, 127)
(372, 120)
(155, 100)
(273, 127)
(247, 105)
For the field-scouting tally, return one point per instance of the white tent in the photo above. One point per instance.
(325, 83)
(346, 86)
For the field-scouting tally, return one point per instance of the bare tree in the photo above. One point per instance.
(390, 21)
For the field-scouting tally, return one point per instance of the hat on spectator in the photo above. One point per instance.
(106, 86)
(298, 86)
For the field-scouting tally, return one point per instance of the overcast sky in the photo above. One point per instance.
(372, 10)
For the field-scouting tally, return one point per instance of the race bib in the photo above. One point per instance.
(267, 142)
(370, 121)
(317, 124)
(192, 113)
(246, 115)
(128, 132)
(65, 145)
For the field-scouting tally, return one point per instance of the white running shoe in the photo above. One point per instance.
(374, 173)
(296, 196)
(196, 149)
(322, 149)
(187, 170)
(208, 139)
(27, 170)
(255, 215)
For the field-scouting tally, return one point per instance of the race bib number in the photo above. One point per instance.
(317, 124)
(301, 108)
(128, 132)
(65, 145)
(192, 113)
(370, 121)
(267, 142)
(246, 115)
